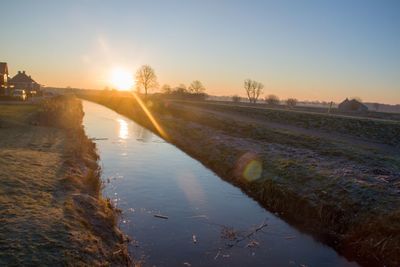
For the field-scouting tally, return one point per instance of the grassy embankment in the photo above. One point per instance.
(346, 192)
(51, 212)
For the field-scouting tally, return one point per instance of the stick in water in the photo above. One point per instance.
(160, 216)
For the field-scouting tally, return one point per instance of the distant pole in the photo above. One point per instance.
(330, 107)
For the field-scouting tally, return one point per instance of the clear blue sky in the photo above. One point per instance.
(325, 50)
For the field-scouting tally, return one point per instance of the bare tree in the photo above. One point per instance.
(196, 87)
(272, 100)
(166, 89)
(253, 90)
(291, 102)
(146, 78)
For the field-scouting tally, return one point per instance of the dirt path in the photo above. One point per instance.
(333, 137)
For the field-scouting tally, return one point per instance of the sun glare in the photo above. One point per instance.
(122, 79)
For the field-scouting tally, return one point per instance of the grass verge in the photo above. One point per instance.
(52, 213)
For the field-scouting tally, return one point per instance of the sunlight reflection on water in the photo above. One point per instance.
(123, 129)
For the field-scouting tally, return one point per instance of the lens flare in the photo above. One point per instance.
(248, 167)
(253, 170)
(152, 119)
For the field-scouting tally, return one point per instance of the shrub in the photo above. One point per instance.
(291, 102)
(272, 100)
(236, 98)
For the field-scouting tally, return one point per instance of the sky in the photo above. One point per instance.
(310, 50)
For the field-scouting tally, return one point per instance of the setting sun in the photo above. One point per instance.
(121, 79)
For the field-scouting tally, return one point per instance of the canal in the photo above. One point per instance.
(179, 213)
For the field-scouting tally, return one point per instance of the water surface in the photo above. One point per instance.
(145, 176)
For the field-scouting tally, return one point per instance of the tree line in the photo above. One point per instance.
(146, 79)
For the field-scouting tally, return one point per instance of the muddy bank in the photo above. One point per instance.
(52, 211)
(346, 194)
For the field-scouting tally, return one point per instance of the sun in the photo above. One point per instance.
(122, 79)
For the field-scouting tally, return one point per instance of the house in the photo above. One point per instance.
(3, 78)
(352, 105)
(24, 82)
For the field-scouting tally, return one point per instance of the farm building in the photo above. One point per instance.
(352, 105)
(24, 82)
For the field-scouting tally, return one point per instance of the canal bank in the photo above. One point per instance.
(340, 209)
(51, 213)
(204, 221)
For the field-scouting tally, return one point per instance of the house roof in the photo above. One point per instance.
(352, 104)
(21, 77)
(3, 68)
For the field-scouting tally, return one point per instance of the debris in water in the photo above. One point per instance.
(161, 216)
(228, 233)
(187, 264)
(117, 252)
(252, 244)
(194, 239)
(216, 256)
(231, 234)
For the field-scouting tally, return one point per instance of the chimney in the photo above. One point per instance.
(19, 72)
(23, 72)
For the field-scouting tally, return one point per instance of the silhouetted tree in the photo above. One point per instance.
(291, 102)
(272, 100)
(236, 98)
(196, 87)
(180, 89)
(253, 90)
(146, 78)
(166, 89)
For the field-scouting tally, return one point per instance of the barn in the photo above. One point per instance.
(352, 105)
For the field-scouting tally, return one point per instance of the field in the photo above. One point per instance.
(373, 114)
(51, 212)
(342, 173)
